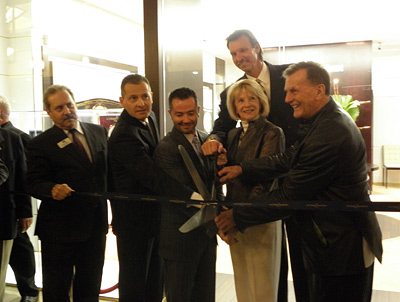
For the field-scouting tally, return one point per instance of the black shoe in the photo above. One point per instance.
(30, 299)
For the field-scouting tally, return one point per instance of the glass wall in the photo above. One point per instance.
(87, 45)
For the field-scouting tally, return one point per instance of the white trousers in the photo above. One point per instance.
(256, 260)
(5, 251)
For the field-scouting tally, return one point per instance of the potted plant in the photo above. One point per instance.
(348, 104)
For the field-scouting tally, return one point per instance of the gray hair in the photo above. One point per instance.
(52, 90)
(5, 104)
(316, 74)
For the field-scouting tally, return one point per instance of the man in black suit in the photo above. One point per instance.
(22, 259)
(15, 204)
(136, 223)
(69, 158)
(189, 258)
(247, 55)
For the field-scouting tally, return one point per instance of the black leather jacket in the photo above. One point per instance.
(329, 163)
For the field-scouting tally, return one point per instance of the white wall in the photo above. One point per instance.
(386, 110)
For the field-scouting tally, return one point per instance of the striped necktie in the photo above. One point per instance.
(77, 143)
(262, 86)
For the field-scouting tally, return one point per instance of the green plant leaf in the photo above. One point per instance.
(348, 104)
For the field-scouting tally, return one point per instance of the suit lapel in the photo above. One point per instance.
(141, 131)
(275, 79)
(154, 125)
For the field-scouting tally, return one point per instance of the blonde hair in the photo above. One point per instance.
(250, 86)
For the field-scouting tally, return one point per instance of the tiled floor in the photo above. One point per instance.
(386, 278)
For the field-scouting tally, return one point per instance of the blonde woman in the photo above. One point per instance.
(256, 255)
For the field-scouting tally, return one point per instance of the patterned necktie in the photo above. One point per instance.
(197, 147)
(262, 86)
(77, 143)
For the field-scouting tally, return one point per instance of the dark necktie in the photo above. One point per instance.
(77, 143)
(153, 136)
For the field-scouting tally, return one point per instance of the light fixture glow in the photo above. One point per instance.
(10, 51)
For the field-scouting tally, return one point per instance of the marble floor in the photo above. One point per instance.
(386, 278)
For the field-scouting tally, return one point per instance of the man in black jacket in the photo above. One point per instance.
(22, 259)
(328, 164)
(15, 209)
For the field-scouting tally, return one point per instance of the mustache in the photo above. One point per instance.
(69, 116)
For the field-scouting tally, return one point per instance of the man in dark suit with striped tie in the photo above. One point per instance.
(189, 258)
(72, 227)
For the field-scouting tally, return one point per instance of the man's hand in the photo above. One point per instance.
(25, 223)
(230, 237)
(211, 147)
(225, 221)
(222, 159)
(229, 173)
(61, 191)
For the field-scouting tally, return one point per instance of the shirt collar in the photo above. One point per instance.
(263, 76)
(78, 128)
(190, 136)
(145, 122)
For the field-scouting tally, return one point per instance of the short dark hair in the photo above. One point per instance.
(252, 38)
(52, 90)
(316, 74)
(181, 94)
(133, 79)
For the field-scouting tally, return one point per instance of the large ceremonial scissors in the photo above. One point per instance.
(207, 212)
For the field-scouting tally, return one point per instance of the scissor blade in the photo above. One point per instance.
(194, 174)
(204, 215)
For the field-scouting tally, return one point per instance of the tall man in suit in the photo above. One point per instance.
(329, 164)
(136, 223)
(15, 204)
(22, 259)
(247, 55)
(69, 158)
(189, 258)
